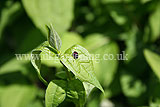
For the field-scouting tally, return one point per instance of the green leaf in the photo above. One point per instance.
(55, 93)
(99, 40)
(36, 54)
(14, 65)
(36, 62)
(106, 68)
(2, 89)
(82, 67)
(94, 100)
(155, 23)
(53, 38)
(88, 88)
(93, 103)
(57, 12)
(76, 92)
(119, 19)
(36, 103)
(101, 46)
(69, 39)
(50, 58)
(111, 91)
(111, 1)
(145, 1)
(17, 96)
(153, 60)
(10, 11)
(130, 38)
(61, 74)
(117, 12)
(131, 86)
(36, 59)
(155, 103)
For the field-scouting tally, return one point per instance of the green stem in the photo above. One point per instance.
(67, 72)
(66, 69)
(41, 78)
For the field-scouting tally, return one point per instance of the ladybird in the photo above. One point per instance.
(75, 55)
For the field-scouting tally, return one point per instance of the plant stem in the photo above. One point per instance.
(41, 78)
(66, 69)
(67, 72)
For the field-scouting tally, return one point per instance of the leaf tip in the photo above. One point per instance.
(53, 37)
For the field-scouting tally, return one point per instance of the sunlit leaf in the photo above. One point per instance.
(55, 93)
(53, 38)
(88, 88)
(82, 67)
(69, 39)
(14, 65)
(57, 12)
(17, 96)
(106, 63)
(155, 23)
(36, 58)
(153, 60)
(99, 40)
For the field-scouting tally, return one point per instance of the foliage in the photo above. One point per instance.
(101, 27)
(82, 68)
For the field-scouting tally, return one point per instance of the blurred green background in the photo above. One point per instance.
(101, 26)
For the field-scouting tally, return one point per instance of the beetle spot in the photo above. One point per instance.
(75, 55)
